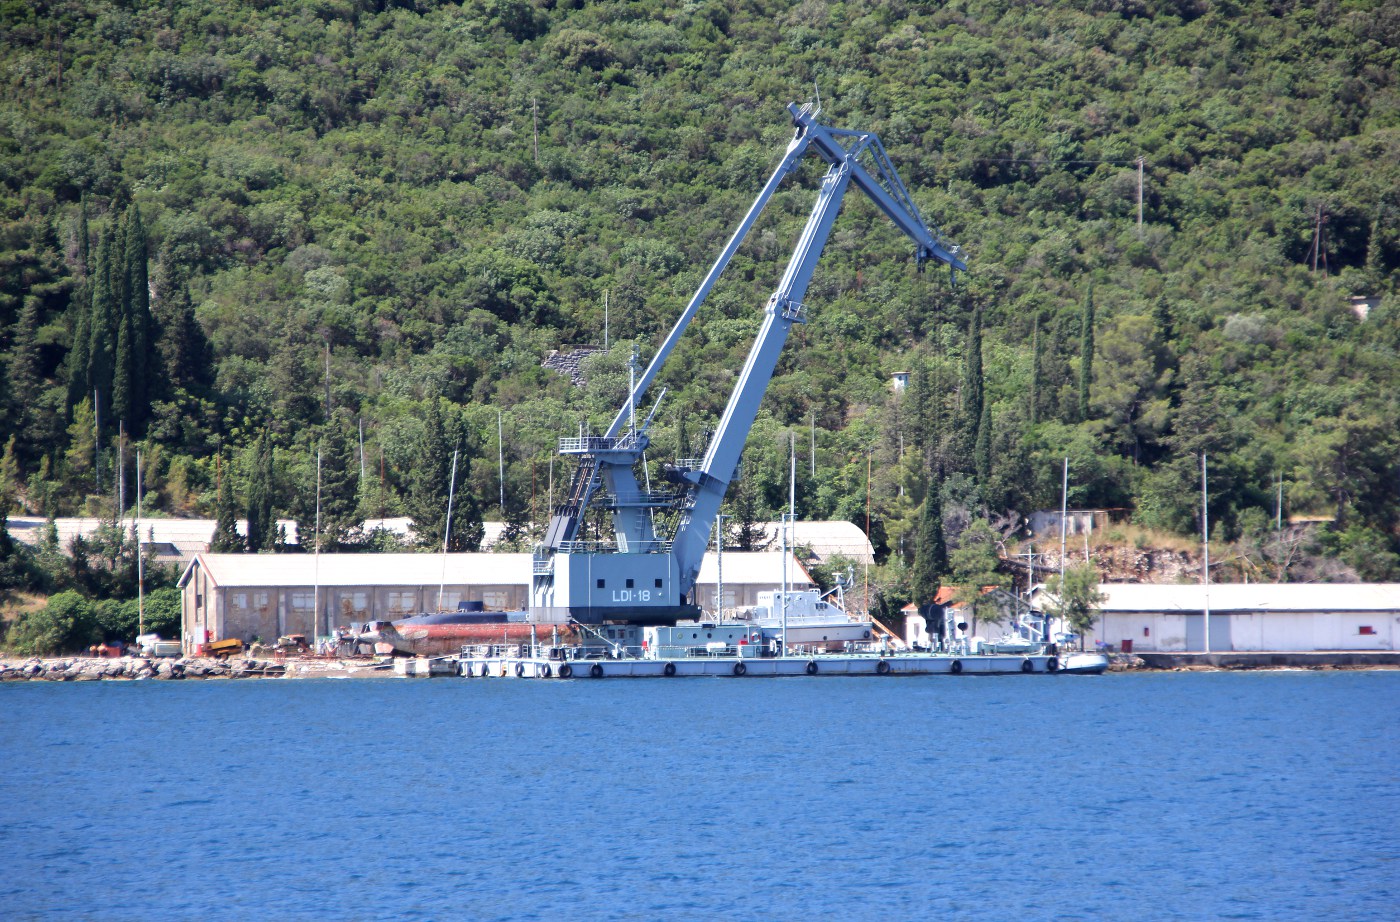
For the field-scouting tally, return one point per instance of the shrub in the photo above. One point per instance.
(67, 623)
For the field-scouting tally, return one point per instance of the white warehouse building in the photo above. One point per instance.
(1246, 617)
(265, 596)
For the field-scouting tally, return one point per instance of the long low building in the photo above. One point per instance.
(1244, 617)
(265, 596)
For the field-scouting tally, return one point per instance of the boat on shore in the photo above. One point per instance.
(1084, 663)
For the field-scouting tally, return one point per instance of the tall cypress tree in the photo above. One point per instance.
(982, 451)
(123, 386)
(79, 316)
(1086, 353)
(262, 528)
(931, 551)
(972, 369)
(137, 313)
(102, 324)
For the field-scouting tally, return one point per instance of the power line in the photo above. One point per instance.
(1020, 160)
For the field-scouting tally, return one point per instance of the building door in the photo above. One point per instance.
(1219, 633)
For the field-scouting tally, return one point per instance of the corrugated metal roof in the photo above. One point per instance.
(230, 570)
(763, 568)
(187, 536)
(1263, 597)
(827, 539)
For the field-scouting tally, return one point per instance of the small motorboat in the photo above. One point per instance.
(1084, 663)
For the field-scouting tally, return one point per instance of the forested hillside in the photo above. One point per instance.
(253, 230)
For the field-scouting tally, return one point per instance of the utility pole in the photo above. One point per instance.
(1318, 253)
(719, 565)
(362, 457)
(535, 118)
(1139, 166)
(140, 563)
(1205, 549)
(97, 440)
(328, 380)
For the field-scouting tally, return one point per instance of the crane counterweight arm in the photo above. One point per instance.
(785, 308)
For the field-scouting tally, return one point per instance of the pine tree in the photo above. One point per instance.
(11, 479)
(80, 458)
(179, 339)
(1035, 373)
(931, 551)
(25, 382)
(339, 478)
(428, 486)
(747, 531)
(226, 539)
(1086, 353)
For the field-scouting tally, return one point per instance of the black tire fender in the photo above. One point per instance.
(812, 668)
(669, 669)
(545, 671)
(740, 669)
(882, 668)
(1052, 664)
(520, 670)
(597, 671)
(1027, 666)
(566, 671)
(956, 667)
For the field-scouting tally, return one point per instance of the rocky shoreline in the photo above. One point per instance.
(135, 668)
(131, 668)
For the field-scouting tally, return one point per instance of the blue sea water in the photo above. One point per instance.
(1272, 795)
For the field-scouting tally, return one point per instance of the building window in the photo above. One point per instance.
(629, 584)
(602, 584)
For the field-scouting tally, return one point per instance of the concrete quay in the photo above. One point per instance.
(1312, 659)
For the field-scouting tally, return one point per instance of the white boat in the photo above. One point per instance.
(1084, 663)
(811, 621)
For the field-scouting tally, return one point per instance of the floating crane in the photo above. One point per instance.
(642, 577)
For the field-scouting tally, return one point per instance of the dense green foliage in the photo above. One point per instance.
(389, 213)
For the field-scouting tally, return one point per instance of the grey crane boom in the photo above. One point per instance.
(643, 577)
